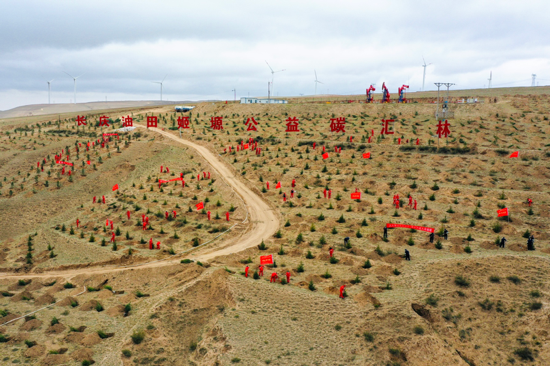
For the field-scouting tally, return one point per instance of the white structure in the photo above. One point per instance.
(248, 100)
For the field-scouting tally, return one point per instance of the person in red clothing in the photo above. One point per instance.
(112, 237)
(77, 223)
(330, 252)
(292, 193)
(267, 185)
(415, 204)
(293, 183)
(208, 215)
(166, 214)
(342, 289)
(329, 193)
(103, 199)
(325, 193)
(174, 212)
(529, 201)
(227, 216)
(93, 200)
(151, 244)
(158, 244)
(261, 270)
(410, 201)
(274, 277)
(287, 277)
(284, 197)
(246, 271)
(128, 214)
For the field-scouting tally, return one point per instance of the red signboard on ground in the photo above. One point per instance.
(421, 228)
(266, 259)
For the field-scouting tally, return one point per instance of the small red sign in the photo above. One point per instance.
(503, 212)
(266, 259)
(366, 155)
(356, 196)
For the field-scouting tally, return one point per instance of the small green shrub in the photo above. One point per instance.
(418, 330)
(462, 281)
(138, 336)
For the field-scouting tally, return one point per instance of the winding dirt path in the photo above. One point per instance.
(262, 218)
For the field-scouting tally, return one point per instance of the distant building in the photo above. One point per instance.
(248, 100)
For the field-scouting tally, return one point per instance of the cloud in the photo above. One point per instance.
(209, 48)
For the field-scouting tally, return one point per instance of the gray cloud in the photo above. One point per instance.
(208, 48)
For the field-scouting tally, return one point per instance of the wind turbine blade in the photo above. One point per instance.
(79, 76)
(69, 74)
(164, 78)
(268, 66)
(423, 60)
(315, 75)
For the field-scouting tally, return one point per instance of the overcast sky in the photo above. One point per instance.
(208, 48)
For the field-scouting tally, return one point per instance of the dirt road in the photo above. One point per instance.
(263, 223)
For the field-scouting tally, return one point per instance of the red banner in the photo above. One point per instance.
(366, 155)
(515, 154)
(245, 146)
(503, 212)
(162, 181)
(325, 156)
(278, 185)
(266, 259)
(115, 187)
(174, 179)
(64, 162)
(421, 228)
(199, 206)
(356, 196)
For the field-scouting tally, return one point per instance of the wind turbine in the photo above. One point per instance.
(74, 79)
(490, 79)
(234, 94)
(424, 77)
(316, 82)
(49, 90)
(160, 82)
(272, 76)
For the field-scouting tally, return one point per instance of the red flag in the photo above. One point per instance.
(515, 154)
(266, 259)
(245, 146)
(115, 187)
(325, 156)
(356, 196)
(503, 212)
(199, 206)
(88, 162)
(366, 155)
(278, 185)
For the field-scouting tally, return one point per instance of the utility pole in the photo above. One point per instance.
(437, 110)
(448, 85)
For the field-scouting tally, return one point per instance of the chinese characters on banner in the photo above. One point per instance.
(251, 122)
(127, 121)
(183, 122)
(443, 129)
(385, 127)
(103, 121)
(292, 125)
(152, 121)
(81, 120)
(216, 123)
(338, 124)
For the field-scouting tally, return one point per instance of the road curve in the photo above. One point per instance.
(263, 223)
